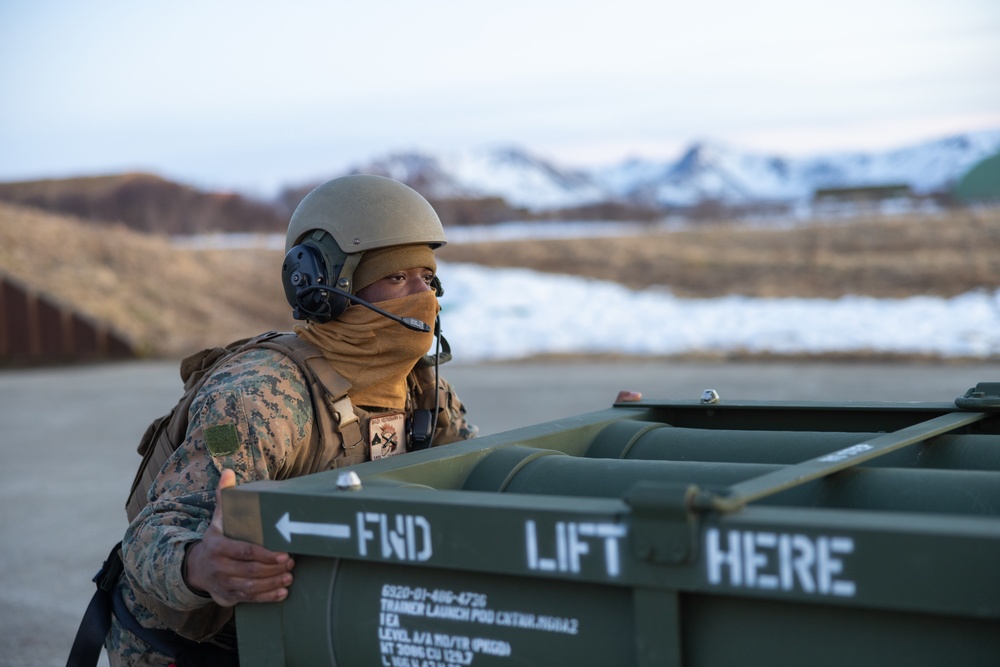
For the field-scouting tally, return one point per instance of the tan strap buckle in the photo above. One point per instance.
(347, 422)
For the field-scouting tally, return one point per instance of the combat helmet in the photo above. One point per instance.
(334, 226)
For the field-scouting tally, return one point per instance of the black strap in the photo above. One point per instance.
(96, 620)
(108, 600)
(167, 642)
(184, 652)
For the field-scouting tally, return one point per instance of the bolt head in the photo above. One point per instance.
(349, 481)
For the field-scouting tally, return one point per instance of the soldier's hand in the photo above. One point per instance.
(233, 571)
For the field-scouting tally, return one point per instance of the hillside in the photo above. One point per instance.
(170, 301)
(147, 203)
(166, 301)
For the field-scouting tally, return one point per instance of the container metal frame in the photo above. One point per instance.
(874, 547)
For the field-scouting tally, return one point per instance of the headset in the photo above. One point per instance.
(306, 281)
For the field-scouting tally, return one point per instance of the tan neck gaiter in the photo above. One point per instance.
(371, 351)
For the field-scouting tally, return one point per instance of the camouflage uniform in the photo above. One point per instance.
(255, 416)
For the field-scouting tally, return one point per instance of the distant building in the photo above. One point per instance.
(981, 184)
(863, 199)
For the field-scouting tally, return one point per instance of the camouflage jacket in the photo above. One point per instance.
(255, 416)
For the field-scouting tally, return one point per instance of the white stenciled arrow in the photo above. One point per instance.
(287, 528)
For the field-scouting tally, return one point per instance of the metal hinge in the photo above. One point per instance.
(664, 528)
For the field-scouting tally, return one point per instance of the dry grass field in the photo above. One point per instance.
(167, 301)
(880, 256)
(170, 301)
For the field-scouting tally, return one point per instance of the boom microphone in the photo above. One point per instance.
(408, 322)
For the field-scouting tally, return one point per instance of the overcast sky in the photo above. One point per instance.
(251, 95)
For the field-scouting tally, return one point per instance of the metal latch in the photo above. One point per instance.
(984, 396)
(664, 528)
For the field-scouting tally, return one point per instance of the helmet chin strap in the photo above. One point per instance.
(328, 249)
(442, 349)
(439, 357)
(437, 377)
(345, 279)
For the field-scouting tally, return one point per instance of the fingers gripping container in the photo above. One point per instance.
(650, 533)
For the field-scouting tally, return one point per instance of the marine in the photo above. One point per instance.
(359, 271)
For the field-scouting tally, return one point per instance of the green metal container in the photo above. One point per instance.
(651, 533)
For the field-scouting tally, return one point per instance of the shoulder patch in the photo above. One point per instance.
(222, 440)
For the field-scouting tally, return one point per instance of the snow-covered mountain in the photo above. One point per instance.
(714, 171)
(522, 179)
(705, 171)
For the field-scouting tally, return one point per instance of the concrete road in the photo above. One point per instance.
(67, 451)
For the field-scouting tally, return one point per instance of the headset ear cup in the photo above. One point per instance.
(302, 272)
(436, 285)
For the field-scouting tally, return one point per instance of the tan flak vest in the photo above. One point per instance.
(332, 407)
